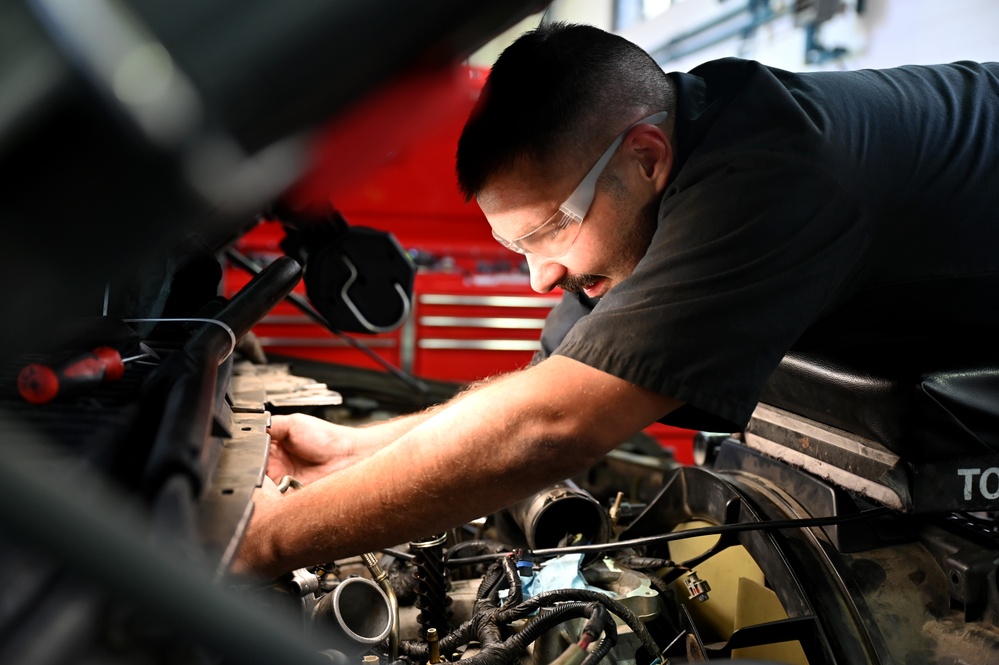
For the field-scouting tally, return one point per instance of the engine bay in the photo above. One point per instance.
(147, 483)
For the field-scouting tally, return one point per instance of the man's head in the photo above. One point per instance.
(555, 103)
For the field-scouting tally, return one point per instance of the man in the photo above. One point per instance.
(709, 220)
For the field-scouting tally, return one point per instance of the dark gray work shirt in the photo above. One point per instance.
(824, 203)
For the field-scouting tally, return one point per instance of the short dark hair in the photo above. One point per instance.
(558, 93)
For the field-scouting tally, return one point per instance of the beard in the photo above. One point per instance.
(635, 232)
(576, 283)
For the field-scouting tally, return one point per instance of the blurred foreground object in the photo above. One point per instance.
(124, 124)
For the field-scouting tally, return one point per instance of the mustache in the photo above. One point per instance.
(576, 283)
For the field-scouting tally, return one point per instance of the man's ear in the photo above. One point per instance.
(653, 151)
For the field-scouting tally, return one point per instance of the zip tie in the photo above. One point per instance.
(222, 324)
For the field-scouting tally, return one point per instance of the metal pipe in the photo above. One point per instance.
(564, 509)
(433, 647)
(381, 578)
(742, 21)
(360, 613)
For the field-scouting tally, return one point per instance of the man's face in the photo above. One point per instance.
(611, 240)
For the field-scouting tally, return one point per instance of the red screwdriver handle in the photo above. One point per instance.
(114, 366)
(38, 383)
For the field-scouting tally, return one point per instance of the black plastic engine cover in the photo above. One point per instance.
(924, 397)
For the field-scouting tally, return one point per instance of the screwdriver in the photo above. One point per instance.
(39, 383)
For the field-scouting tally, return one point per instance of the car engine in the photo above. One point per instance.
(129, 498)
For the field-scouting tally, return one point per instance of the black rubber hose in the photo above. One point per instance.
(501, 583)
(478, 627)
(489, 580)
(644, 562)
(509, 651)
(508, 567)
(548, 620)
(549, 597)
(514, 583)
(737, 527)
(603, 648)
(485, 630)
(605, 645)
(477, 547)
(484, 625)
(597, 623)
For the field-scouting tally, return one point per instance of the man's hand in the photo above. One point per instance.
(308, 448)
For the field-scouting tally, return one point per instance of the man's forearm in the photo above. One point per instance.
(380, 434)
(464, 460)
(492, 446)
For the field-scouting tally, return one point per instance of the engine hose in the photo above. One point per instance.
(510, 650)
(556, 595)
(481, 627)
(603, 648)
(513, 583)
(489, 580)
(597, 623)
(549, 619)
(478, 547)
(484, 629)
(516, 594)
(484, 626)
(463, 634)
(644, 562)
(502, 582)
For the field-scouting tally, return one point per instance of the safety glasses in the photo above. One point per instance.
(554, 237)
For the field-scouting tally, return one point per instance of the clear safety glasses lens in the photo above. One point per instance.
(551, 239)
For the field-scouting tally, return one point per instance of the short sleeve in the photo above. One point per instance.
(751, 250)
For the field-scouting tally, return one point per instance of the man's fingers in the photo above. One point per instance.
(296, 433)
(302, 446)
(280, 428)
